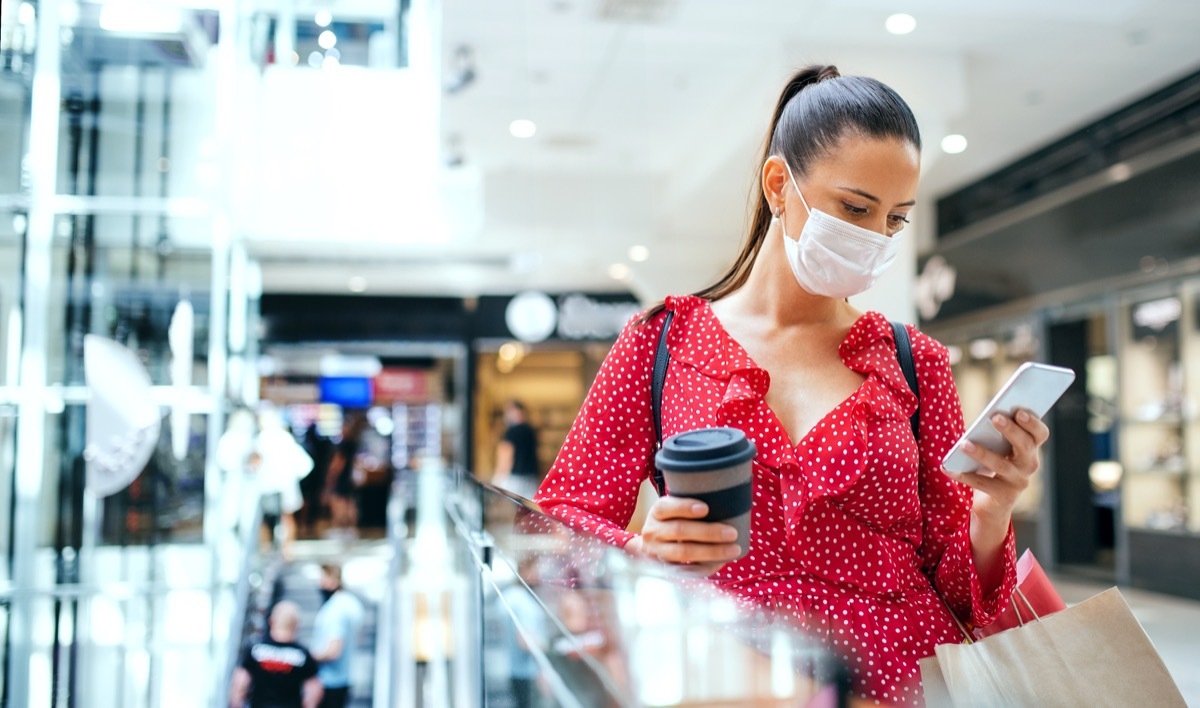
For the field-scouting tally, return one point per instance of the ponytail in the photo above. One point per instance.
(805, 126)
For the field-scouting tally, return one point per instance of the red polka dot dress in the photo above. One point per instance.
(852, 527)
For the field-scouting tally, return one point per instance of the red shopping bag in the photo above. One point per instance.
(1035, 597)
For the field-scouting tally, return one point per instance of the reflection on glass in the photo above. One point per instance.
(569, 620)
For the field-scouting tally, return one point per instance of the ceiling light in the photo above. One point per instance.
(357, 284)
(315, 59)
(954, 144)
(618, 271)
(327, 40)
(522, 128)
(26, 14)
(323, 18)
(638, 254)
(900, 24)
(331, 63)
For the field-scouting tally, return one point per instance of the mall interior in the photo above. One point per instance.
(365, 226)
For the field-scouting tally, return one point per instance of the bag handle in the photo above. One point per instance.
(662, 357)
(1021, 620)
(905, 356)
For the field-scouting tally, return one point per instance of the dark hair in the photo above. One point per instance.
(818, 107)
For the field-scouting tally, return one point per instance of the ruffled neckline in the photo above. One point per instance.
(869, 343)
(868, 348)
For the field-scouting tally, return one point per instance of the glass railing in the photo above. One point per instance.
(566, 620)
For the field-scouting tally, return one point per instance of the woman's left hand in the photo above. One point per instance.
(1002, 478)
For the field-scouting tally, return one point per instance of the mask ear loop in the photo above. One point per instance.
(795, 186)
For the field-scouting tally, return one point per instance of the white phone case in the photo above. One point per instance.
(1033, 387)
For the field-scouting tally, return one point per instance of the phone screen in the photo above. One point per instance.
(1033, 387)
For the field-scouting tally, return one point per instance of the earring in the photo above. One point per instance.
(778, 211)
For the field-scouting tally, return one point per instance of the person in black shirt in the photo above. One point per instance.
(517, 468)
(276, 672)
(340, 485)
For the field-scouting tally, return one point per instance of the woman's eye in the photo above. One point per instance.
(854, 210)
(897, 219)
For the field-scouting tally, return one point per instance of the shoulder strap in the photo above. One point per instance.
(661, 358)
(905, 355)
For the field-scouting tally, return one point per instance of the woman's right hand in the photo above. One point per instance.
(673, 533)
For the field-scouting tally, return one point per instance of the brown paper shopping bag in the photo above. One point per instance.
(1092, 654)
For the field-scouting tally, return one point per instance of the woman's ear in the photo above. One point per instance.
(774, 179)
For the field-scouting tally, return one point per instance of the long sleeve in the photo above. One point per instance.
(593, 484)
(945, 552)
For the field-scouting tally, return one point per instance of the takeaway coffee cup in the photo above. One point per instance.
(713, 466)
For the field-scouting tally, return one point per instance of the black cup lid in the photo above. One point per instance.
(703, 450)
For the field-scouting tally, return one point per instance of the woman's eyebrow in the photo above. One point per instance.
(874, 198)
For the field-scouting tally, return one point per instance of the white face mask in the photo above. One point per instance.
(835, 258)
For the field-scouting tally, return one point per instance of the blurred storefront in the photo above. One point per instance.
(450, 361)
(1085, 254)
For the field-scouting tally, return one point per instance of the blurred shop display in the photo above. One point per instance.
(1160, 434)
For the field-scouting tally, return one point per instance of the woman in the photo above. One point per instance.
(857, 533)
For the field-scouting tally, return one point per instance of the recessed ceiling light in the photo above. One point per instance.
(327, 40)
(522, 128)
(954, 144)
(323, 18)
(1120, 172)
(638, 254)
(357, 284)
(618, 271)
(900, 24)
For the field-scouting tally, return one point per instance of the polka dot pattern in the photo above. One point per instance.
(853, 527)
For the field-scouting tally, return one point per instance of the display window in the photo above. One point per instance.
(1160, 363)
(550, 380)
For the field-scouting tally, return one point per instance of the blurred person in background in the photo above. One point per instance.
(858, 535)
(342, 479)
(335, 636)
(320, 449)
(236, 456)
(277, 672)
(517, 468)
(281, 464)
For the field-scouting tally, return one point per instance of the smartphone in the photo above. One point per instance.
(1034, 387)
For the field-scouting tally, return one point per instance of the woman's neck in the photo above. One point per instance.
(772, 293)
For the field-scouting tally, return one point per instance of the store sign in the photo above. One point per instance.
(402, 385)
(581, 317)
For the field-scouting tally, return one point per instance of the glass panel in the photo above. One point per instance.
(128, 278)
(570, 620)
(138, 115)
(1152, 414)
(11, 226)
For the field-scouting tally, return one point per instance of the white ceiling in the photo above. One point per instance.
(648, 129)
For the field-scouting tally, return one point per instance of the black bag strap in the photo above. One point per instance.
(662, 356)
(905, 355)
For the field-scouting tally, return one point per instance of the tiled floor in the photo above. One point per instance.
(1172, 623)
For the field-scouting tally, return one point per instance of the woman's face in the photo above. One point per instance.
(867, 182)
